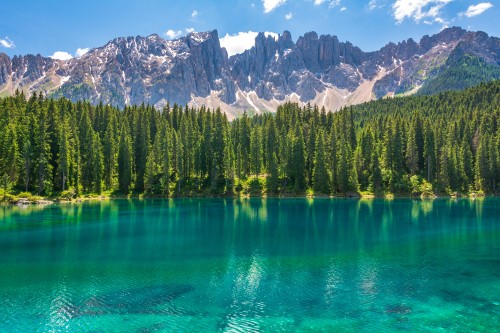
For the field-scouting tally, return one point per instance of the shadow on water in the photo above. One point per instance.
(148, 299)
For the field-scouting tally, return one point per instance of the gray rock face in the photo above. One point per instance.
(150, 69)
(24, 70)
(5, 68)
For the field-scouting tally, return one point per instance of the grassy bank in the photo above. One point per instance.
(255, 187)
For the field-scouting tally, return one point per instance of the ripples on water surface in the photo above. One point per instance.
(215, 265)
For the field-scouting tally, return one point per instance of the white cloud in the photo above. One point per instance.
(194, 16)
(475, 10)
(375, 4)
(7, 43)
(189, 30)
(270, 5)
(272, 34)
(238, 43)
(343, 8)
(81, 51)
(61, 55)
(172, 34)
(418, 9)
(289, 16)
(241, 41)
(334, 3)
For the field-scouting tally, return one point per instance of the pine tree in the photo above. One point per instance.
(64, 159)
(412, 154)
(485, 164)
(310, 150)
(466, 166)
(244, 142)
(141, 148)
(271, 143)
(125, 159)
(218, 143)
(363, 157)
(165, 160)
(97, 163)
(429, 155)
(110, 152)
(53, 132)
(255, 152)
(321, 178)
(177, 161)
(376, 181)
(298, 160)
(27, 153)
(229, 164)
(343, 167)
(151, 171)
(272, 173)
(86, 142)
(9, 158)
(42, 154)
(333, 159)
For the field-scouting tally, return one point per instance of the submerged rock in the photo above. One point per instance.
(399, 309)
(136, 300)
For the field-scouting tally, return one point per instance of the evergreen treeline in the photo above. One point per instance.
(444, 143)
(461, 72)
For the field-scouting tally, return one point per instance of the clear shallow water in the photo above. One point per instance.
(215, 265)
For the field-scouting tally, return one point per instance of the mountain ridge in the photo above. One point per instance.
(196, 70)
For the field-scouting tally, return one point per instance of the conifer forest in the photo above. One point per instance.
(447, 143)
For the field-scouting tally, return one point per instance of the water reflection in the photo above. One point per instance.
(248, 264)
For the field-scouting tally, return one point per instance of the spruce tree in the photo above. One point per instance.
(42, 153)
(125, 159)
(376, 181)
(110, 152)
(9, 158)
(97, 163)
(150, 173)
(298, 160)
(272, 173)
(64, 159)
(165, 158)
(255, 152)
(412, 155)
(321, 178)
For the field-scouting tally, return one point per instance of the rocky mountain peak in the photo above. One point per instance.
(316, 68)
(200, 37)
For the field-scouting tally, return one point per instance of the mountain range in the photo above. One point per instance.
(196, 70)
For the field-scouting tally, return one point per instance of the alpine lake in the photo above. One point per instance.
(251, 265)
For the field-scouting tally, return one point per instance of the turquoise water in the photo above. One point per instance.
(272, 265)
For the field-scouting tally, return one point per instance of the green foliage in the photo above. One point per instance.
(459, 73)
(321, 177)
(67, 194)
(448, 142)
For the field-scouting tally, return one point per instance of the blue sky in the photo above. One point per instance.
(64, 28)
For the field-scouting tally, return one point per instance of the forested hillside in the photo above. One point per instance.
(459, 73)
(443, 143)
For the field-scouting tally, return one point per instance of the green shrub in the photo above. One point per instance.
(68, 194)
